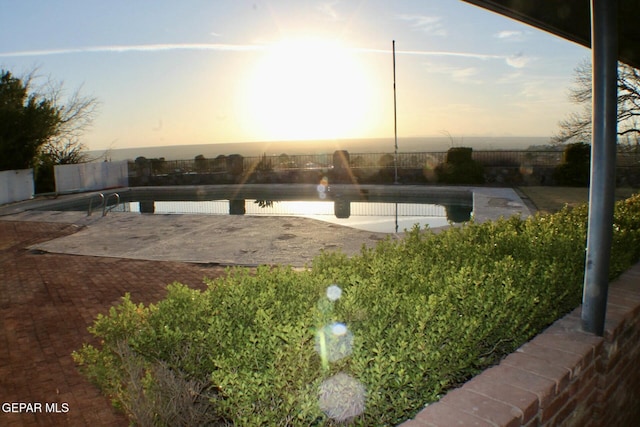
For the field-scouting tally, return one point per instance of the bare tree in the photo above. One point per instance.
(39, 124)
(577, 127)
(76, 113)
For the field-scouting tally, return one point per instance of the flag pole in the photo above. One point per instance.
(395, 117)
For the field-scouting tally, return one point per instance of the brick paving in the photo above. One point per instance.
(47, 301)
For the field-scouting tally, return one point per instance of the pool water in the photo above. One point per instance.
(377, 209)
(385, 217)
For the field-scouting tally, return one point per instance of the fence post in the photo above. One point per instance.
(147, 207)
(237, 207)
(235, 166)
(341, 166)
(342, 208)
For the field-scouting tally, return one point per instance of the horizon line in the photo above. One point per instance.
(290, 141)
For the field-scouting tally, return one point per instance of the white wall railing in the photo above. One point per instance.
(16, 185)
(91, 176)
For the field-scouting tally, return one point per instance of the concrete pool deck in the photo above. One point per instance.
(232, 239)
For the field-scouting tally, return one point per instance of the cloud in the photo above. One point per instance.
(432, 53)
(541, 91)
(221, 47)
(428, 24)
(465, 75)
(448, 108)
(328, 9)
(510, 35)
(461, 75)
(514, 76)
(518, 60)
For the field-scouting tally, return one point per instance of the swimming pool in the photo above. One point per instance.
(385, 209)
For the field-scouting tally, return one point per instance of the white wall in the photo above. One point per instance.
(91, 176)
(16, 185)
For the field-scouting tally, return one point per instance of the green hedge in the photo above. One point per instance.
(370, 339)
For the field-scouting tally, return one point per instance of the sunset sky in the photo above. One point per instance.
(198, 72)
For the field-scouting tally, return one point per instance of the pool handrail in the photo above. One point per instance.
(102, 203)
(106, 208)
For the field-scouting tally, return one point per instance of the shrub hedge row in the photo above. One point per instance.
(368, 339)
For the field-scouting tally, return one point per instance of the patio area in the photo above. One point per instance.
(47, 301)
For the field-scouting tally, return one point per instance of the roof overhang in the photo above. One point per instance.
(571, 20)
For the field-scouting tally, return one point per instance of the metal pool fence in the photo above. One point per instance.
(224, 164)
(236, 164)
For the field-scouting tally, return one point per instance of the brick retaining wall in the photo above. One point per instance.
(563, 377)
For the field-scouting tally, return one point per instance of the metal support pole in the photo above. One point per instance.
(395, 117)
(604, 47)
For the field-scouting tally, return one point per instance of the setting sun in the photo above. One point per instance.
(307, 89)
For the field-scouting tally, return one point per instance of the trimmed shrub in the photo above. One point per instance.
(368, 339)
(459, 155)
(460, 168)
(575, 167)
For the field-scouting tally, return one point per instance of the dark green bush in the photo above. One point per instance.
(575, 167)
(460, 168)
(406, 321)
(578, 152)
(459, 155)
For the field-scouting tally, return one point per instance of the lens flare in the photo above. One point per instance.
(334, 342)
(323, 188)
(339, 329)
(334, 292)
(342, 397)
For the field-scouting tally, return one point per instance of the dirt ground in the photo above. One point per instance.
(552, 199)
